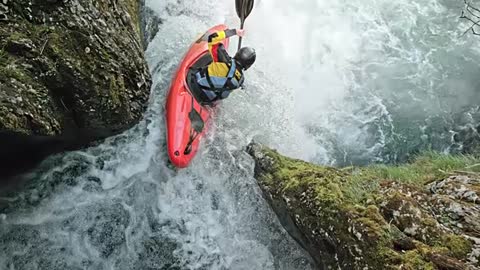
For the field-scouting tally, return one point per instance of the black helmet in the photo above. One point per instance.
(245, 57)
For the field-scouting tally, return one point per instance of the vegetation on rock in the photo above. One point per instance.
(71, 61)
(422, 215)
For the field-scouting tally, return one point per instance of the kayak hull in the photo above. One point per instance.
(182, 139)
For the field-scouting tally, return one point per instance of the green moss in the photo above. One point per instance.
(9, 120)
(12, 72)
(10, 69)
(458, 246)
(3, 55)
(373, 213)
(37, 31)
(55, 40)
(351, 221)
(414, 260)
(346, 203)
(105, 55)
(15, 36)
(372, 230)
(133, 9)
(4, 66)
(294, 174)
(387, 256)
(66, 45)
(114, 91)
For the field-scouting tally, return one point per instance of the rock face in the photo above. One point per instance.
(398, 226)
(71, 61)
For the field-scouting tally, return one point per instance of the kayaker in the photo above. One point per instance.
(225, 74)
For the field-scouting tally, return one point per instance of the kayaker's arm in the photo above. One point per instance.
(215, 45)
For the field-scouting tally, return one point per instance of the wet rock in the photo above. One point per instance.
(3, 8)
(23, 47)
(460, 187)
(397, 226)
(403, 243)
(83, 72)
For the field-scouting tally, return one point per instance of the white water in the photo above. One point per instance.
(335, 82)
(364, 81)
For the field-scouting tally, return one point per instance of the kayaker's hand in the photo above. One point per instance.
(240, 32)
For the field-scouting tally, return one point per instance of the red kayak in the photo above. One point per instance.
(187, 119)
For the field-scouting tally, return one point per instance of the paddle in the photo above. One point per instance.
(244, 8)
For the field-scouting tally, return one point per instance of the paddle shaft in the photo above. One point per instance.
(240, 40)
(244, 7)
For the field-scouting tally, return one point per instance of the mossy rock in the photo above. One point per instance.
(72, 62)
(391, 226)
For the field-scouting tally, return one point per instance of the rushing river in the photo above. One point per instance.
(336, 82)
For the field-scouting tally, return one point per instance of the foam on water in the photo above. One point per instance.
(369, 81)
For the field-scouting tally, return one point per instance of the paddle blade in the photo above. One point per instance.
(244, 8)
(248, 7)
(239, 7)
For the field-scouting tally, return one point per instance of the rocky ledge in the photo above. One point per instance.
(423, 215)
(70, 61)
